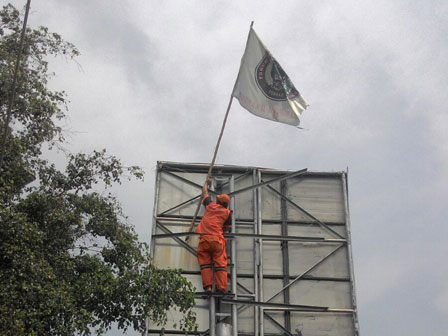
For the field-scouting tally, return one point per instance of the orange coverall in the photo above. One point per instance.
(212, 244)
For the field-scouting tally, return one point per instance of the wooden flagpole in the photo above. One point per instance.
(216, 150)
(211, 164)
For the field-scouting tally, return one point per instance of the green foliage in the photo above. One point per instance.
(69, 262)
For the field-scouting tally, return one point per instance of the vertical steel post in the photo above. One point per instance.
(153, 224)
(285, 253)
(156, 204)
(212, 301)
(256, 250)
(260, 255)
(234, 261)
(350, 255)
(212, 316)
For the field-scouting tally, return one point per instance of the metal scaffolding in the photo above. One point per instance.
(290, 267)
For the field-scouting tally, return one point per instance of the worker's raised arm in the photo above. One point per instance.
(205, 188)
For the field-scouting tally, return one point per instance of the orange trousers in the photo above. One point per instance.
(213, 247)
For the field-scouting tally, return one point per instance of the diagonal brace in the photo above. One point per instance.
(295, 205)
(178, 240)
(278, 325)
(306, 272)
(277, 179)
(180, 205)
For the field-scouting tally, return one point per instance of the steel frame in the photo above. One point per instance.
(262, 307)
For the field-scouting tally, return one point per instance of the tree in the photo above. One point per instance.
(69, 262)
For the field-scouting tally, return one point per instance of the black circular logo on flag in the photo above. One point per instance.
(273, 81)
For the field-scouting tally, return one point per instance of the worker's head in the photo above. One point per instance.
(223, 199)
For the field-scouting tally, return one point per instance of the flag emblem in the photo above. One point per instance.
(273, 80)
(263, 88)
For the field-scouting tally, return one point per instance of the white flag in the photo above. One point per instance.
(263, 88)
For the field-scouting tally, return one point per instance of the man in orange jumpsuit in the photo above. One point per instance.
(212, 244)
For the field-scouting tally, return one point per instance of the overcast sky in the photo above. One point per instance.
(154, 80)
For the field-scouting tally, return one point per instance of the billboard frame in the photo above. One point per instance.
(238, 302)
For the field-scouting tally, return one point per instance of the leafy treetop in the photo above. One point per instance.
(69, 262)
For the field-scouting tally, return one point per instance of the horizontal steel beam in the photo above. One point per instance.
(202, 167)
(277, 277)
(328, 311)
(174, 234)
(259, 236)
(230, 169)
(173, 332)
(286, 238)
(246, 221)
(278, 306)
(292, 277)
(214, 294)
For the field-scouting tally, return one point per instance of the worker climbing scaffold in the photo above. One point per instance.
(212, 244)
